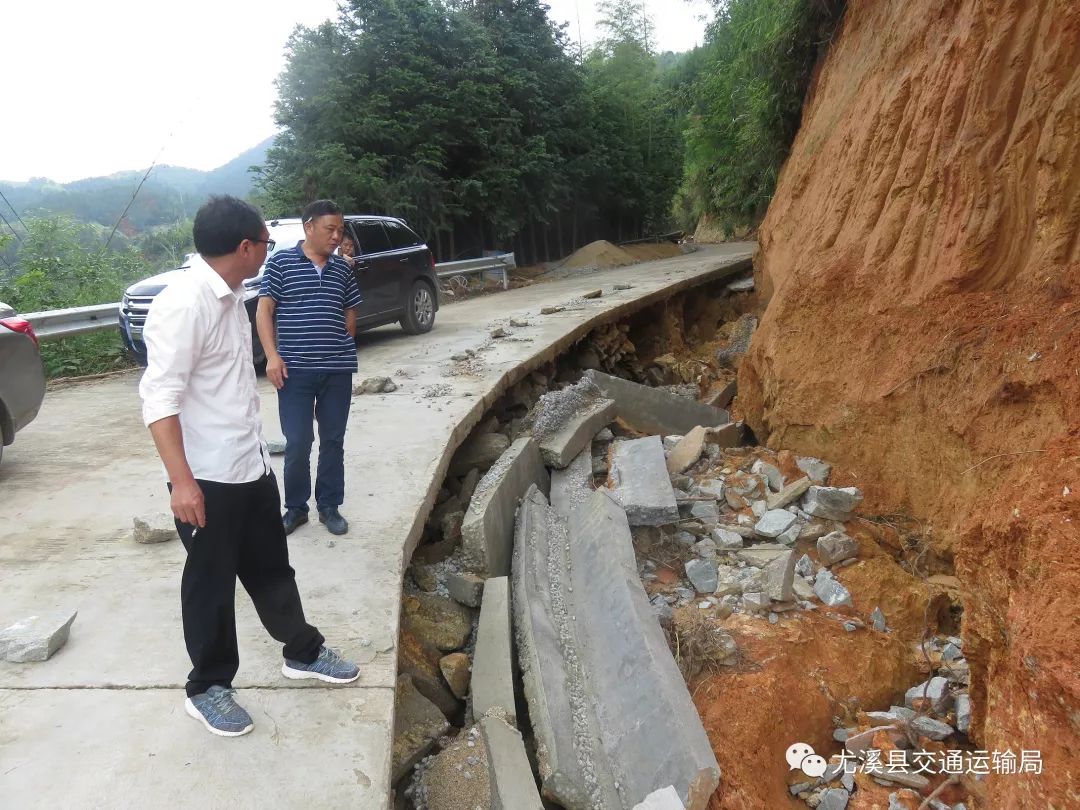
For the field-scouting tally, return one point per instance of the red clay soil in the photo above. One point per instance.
(921, 259)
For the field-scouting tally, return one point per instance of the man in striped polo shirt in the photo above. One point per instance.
(310, 296)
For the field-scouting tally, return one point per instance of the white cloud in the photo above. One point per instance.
(94, 88)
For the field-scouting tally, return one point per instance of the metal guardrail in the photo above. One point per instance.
(61, 323)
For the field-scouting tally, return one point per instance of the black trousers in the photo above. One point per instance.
(244, 538)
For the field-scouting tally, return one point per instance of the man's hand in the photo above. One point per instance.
(188, 504)
(276, 371)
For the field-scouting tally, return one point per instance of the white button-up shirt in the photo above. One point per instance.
(198, 341)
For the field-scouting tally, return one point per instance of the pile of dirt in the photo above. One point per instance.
(922, 260)
(600, 253)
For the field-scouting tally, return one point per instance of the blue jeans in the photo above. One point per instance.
(327, 396)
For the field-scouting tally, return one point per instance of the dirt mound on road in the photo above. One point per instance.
(600, 253)
(652, 251)
(923, 263)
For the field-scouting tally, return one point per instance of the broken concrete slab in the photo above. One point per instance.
(601, 683)
(789, 494)
(154, 528)
(509, 772)
(492, 673)
(687, 451)
(663, 799)
(774, 523)
(639, 481)
(488, 529)
(457, 670)
(650, 410)
(572, 485)
(564, 422)
(465, 588)
(836, 547)
(480, 450)
(36, 637)
(817, 470)
(831, 503)
(418, 724)
(780, 577)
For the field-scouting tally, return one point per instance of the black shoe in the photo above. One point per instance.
(335, 523)
(293, 518)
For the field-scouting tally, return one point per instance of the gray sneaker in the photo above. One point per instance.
(219, 712)
(329, 667)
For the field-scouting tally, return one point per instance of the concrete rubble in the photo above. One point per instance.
(418, 724)
(593, 754)
(663, 799)
(154, 528)
(488, 528)
(492, 674)
(831, 503)
(457, 669)
(639, 481)
(36, 637)
(572, 485)
(836, 547)
(650, 410)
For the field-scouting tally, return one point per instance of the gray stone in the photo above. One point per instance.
(604, 436)
(755, 600)
(652, 410)
(468, 485)
(702, 575)
(915, 781)
(706, 549)
(836, 547)
(418, 724)
(664, 612)
(799, 787)
(817, 470)
(437, 619)
(728, 581)
(805, 567)
(829, 590)
(156, 528)
(841, 734)
(685, 538)
(774, 523)
(670, 443)
(726, 540)
(663, 799)
(710, 488)
(934, 729)
(816, 529)
(376, 385)
(932, 695)
(759, 508)
(952, 652)
(779, 577)
(585, 630)
(802, 589)
(488, 530)
(276, 447)
(492, 674)
(479, 450)
(465, 588)
(739, 343)
(770, 472)
(848, 781)
(903, 712)
(963, 713)
(705, 511)
(858, 743)
(791, 535)
(877, 619)
(639, 481)
(834, 799)
(744, 530)
(762, 554)
(572, 485)
(831, 503)
(789, 494)
(37, 637)
(509, 772)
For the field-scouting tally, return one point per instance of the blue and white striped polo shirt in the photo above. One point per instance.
(310, 310)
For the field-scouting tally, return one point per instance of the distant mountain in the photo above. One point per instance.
(170, 193)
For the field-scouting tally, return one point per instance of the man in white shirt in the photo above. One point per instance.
(202, 407)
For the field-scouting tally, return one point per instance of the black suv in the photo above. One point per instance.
(394, 268)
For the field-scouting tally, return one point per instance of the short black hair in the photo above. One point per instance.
(223, 223)
(320, 208)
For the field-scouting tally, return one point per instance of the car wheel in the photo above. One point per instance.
(419, 309)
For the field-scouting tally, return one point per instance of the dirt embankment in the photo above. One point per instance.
(922, 254)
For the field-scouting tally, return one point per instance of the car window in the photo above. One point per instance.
(370, 237)
(401, 236)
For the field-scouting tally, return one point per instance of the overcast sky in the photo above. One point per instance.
(97, 87)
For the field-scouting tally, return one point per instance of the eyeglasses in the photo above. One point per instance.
(270, 243)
